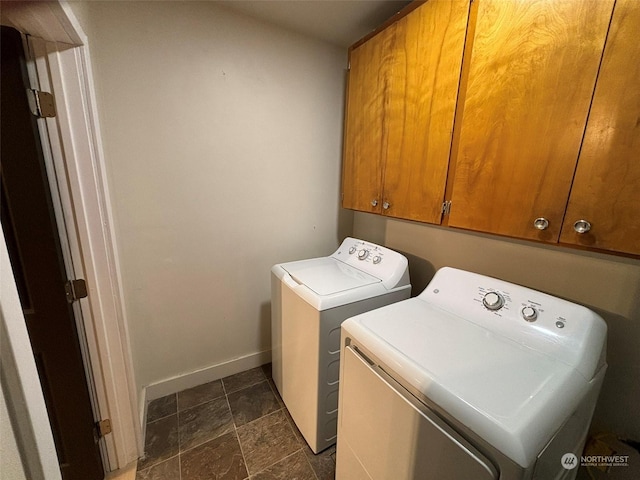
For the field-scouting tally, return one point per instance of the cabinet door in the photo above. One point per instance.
(606, 189)
(366, 123)
(422, 90)
(532, 73)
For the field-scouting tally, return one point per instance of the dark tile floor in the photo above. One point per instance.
(236, 428)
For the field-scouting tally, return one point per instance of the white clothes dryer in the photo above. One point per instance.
(475, 378)
(309, 301)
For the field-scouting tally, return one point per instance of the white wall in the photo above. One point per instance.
(222, 140)
(606, 283)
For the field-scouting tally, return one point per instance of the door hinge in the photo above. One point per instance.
(75, 290)
(42, 104)
(103, 427)
(446, 207)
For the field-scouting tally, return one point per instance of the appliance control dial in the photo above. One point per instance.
(493, 301)
(377, 259)
(363, 254)
(530, 314)
(352, 250)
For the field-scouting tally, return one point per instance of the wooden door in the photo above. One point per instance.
(35, 253)
(531, 77)
(366, 123)
(606, 188)
(423, 90)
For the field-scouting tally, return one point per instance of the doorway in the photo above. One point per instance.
(36, 257)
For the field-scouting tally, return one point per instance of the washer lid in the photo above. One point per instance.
(326, 275)
(512, 396)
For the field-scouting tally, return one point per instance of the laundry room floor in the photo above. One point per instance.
(236, 428)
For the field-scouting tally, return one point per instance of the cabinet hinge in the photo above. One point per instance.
(446, 207)
(42, 104)
(103, 427)
(75, 290)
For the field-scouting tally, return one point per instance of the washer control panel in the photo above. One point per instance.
(369, 251)
(495, 300)
(542, 322)
(529, 313)
(386, 264)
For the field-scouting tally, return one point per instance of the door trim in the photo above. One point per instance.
(62, 63)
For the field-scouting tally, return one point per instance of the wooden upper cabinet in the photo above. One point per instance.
(606, 188)
(403, 86)
(427, 59)
(532, 73)
(365, 129)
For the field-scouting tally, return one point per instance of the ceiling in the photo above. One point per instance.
(340, 22)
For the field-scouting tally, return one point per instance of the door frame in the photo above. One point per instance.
(72, 142)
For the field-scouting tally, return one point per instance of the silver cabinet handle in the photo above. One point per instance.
(582, 226)
(374, 202)
(386, 205)
(541, 223)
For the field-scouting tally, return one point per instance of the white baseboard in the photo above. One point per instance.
(142, 408)
(205, 375)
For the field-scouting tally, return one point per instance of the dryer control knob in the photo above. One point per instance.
(352, 250)
(530, 314)
(363, 254)
(493, 301)
(377, 259)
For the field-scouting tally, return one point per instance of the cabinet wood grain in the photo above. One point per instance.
(423, 91)
(366, 123)
(606, 188)
(424, 86)
(532, 72)
(402, 94)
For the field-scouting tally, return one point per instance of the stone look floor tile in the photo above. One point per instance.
(275, 391)
(252, 402)
(161, 441)
(293, 467)
(323, 464)
(218, 459)
(267, 369)
(198, 395)
(243, 380)
(167, 470)
(204, 422)
(266, 441)
(161, 407)
(294, 427)
(197, 434)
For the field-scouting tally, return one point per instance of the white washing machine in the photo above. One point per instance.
(474, 379)
(309, 301)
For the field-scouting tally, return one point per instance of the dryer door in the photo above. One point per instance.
(383, 435)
